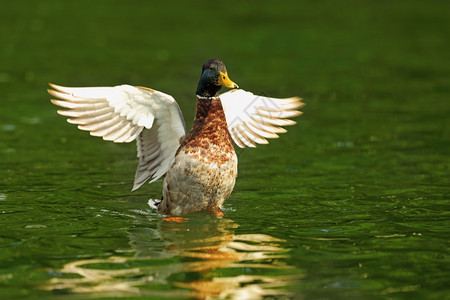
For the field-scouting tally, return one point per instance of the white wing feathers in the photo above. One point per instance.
(125, 113)
(252, 119)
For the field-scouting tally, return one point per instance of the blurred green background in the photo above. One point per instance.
(368, 160)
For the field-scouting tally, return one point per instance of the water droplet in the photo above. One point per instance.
(35, 226)
(343, 144)
(9, 127)
(32, 120)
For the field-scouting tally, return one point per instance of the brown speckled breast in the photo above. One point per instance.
(205, 167)
(210, 128)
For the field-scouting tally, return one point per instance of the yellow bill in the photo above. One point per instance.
(226, 81)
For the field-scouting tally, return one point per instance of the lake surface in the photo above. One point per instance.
(351, 203)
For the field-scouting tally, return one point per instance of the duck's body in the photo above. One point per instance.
(200, 167)
(205, 167)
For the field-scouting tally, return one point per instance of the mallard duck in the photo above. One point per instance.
(199, 167)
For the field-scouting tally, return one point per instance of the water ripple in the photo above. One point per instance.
(201, 259)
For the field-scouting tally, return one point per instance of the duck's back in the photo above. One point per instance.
(205, 167)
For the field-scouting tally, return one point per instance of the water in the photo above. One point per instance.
(352, 203)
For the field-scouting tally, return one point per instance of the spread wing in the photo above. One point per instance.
(125, 113)
(252, 119)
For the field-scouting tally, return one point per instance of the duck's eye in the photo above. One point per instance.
(223, 77)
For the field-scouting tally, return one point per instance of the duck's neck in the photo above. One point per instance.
(208, 108)
(210, 123)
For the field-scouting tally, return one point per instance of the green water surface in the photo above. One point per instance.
(351, 203)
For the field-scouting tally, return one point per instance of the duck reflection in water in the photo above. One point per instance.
(199, 257)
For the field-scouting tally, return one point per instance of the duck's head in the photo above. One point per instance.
(214, 76)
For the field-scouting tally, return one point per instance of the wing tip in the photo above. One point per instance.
(56, 87)
(57, 102)
(54, 93)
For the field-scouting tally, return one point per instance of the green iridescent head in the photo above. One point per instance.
(214, 76)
